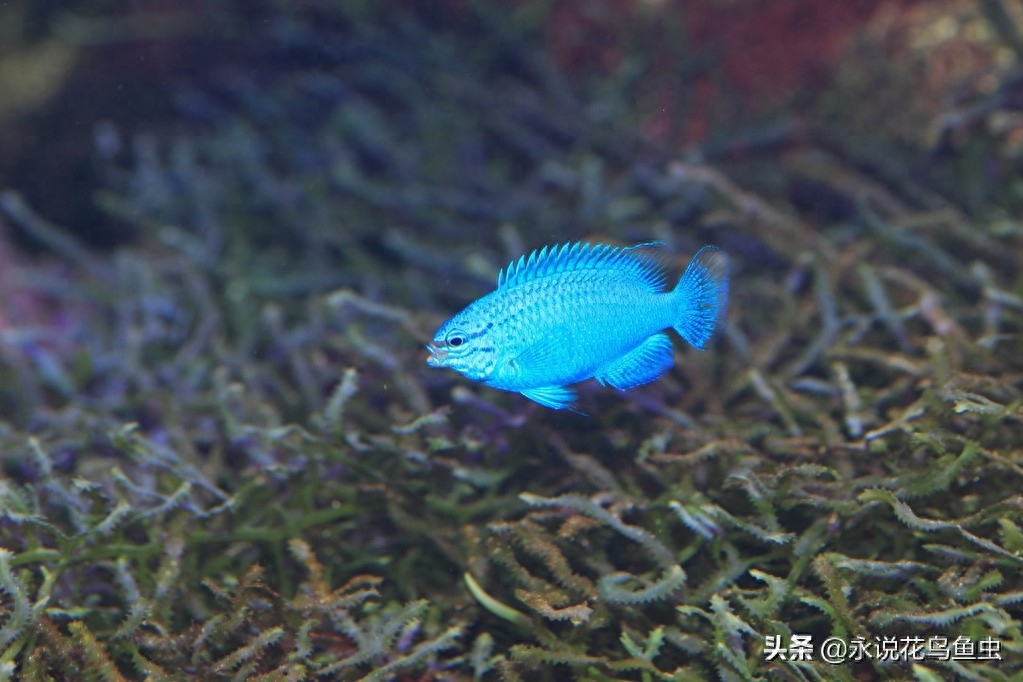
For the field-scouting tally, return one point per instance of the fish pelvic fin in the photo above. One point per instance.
(641, 365)
(702, 296)
(554, 397)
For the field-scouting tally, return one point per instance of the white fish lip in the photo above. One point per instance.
(438, 356)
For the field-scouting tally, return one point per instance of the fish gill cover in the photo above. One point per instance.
(225, 458)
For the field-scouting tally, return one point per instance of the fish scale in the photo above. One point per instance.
(569, 313)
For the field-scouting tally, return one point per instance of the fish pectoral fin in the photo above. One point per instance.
(641, 365)
(554, 397)
(542, 357)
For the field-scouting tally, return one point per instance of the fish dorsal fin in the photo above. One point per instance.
(634, 261)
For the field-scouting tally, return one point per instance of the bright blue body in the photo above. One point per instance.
(570, 313)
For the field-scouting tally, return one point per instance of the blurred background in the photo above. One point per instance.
(880, 83)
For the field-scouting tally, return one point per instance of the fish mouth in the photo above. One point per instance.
(438, 355)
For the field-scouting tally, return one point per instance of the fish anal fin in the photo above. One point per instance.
(554, 397)
(643, 364)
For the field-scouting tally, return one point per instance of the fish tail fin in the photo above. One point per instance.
(702, 296)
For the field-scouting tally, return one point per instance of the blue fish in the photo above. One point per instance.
(575, 311)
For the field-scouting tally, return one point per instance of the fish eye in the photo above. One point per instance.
(455, 339)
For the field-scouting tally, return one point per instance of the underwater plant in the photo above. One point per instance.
(224, 456)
